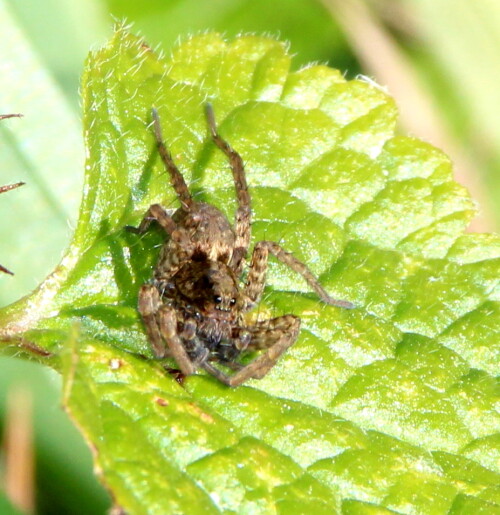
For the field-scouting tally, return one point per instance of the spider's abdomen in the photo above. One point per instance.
(203, 234)
(208, 231)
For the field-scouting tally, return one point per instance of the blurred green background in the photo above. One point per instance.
(439, 58)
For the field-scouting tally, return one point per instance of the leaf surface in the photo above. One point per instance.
(390, 406)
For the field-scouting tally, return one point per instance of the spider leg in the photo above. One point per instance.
(265, 333)
(243, 214)
(223, 378)
(275, 335)
(148, 306)
(233, 365)
(160, 322)
(176, 177)
(168, 329)
(155, 213)
(258, 269)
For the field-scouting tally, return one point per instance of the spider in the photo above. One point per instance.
(193, 307)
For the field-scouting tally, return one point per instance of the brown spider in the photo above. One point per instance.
(193, 307)
(9, 187)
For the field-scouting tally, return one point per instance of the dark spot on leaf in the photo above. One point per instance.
(161, 402)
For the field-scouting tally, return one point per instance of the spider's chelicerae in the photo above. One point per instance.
(193, 308)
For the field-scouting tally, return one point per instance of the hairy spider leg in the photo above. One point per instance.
(176, 178)
(258, 269)
(277, 335)
(160, 322)
(148, 305)
(243, 215)
(155, 213)
(175, 342)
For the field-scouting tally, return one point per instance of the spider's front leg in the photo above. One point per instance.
(275, 335)
(155, 213)
(160, 321)
(258, 269)
(176, 178)
(243, 216)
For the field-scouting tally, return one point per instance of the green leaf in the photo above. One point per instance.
(386, 408)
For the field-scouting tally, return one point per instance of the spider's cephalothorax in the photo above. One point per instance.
(193, 307)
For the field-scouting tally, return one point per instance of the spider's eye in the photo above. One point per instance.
(232, 302)
(217, 299)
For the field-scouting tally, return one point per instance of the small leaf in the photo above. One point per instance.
(375, 410)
